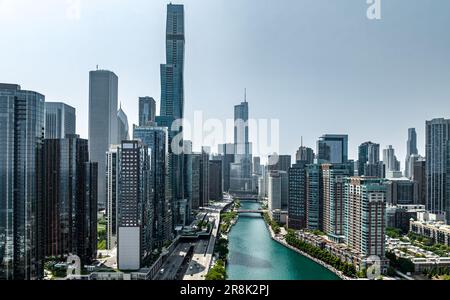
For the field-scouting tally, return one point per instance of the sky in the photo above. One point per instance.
(319, 66)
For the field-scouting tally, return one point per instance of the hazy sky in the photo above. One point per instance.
(320, 66)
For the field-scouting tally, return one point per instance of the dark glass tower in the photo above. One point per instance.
(69, 207)
(21, 200)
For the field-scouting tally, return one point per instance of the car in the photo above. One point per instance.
(161, 271)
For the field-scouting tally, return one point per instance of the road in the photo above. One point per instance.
(204, 250)
(173, 263)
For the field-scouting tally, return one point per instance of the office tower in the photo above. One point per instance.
(418, 174)
(438, 166)
(257, 165)
(314, 203)
(333, 187)
(369, 160)
(411, 149)
(204, 178)
(192, 179)
(278, 190)
(297, 196)
(215, 180)
(332, 148)
(227, 151)
(122, 126)
(112, 195)
(156, 139)
(60, 120)
(279, 162)
(66, 202)
(305, 154)
(134, 211)
(365, 215)
(21, 200)
(402, 191)
(390, 160)
(147, 111)
(103, 88)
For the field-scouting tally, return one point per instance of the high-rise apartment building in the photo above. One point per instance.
(418, 175)
(437, 147)
(134, 209)
(103, 130)
(297, 196)
(390, 160)
(278, 190)
(305, 154)
(60, 119)
(333, 191)
(365, 208)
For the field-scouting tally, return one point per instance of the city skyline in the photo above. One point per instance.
(379, 72)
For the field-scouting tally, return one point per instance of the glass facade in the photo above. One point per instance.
(21, 202)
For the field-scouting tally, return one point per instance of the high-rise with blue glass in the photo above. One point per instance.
(21, 197)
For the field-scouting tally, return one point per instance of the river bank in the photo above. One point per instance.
(281, 241)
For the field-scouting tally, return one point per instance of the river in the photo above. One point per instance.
(255, 256)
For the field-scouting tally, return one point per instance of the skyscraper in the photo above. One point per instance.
(369, 160)
(103, 89)
(332, 148)
(227, 153)
(156, 139)
(365, 201)
(418, 175)
(147, 111)
(172, 96)
(134, 211)
(67, 203)
(411, 149)
(60, 120)
(333, 187)
(297, 196)
(122, 126)
(243, 157)
(279, 162)
(112, 195)
(192, 179)
(438, 166)
(390, 160)
(305, 154)
(278, 190)
(314, 197)
(21, 200)
(215, 180)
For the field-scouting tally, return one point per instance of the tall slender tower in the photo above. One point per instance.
(172, 95)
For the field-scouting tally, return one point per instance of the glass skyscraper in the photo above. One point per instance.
(437, 149)
(21, 199)
(60, 120)
(172, 95)
(332, 148)
(147, 111)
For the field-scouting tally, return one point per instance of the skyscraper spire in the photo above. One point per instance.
(245, 95)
